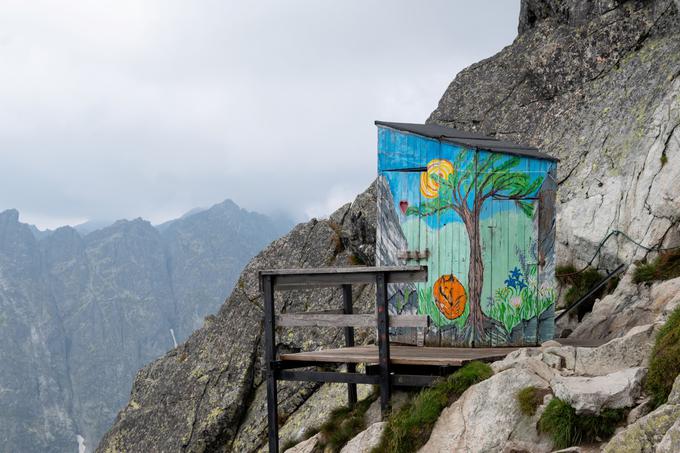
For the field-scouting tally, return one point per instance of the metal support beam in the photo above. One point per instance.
(383, 342)
(327, 376)
(349, 342)
(270, 356)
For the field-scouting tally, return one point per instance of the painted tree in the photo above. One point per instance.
(463, 186)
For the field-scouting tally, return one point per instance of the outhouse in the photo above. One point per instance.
(480, 213)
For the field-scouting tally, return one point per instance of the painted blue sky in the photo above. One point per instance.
(398, 150)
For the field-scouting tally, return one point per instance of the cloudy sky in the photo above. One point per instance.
(127, 108)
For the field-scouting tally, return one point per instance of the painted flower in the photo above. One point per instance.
(428, 186)
(516, 301)
(516, 273)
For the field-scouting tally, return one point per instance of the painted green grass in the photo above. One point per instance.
(409, 428)
(511, 305)
(664, 365)
(566, 428)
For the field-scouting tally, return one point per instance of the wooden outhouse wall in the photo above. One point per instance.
(484, 223)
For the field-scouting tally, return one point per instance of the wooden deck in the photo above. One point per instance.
(413, 355)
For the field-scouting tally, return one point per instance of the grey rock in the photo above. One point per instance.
(365, 441)
(646, 433)
(589, 395)
(464, 426)
(306, 446)
(643, 408)
(631, 350)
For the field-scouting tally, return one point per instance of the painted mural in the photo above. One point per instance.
(485, 222)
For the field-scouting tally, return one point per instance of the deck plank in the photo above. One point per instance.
(402, 355)
(414, 355)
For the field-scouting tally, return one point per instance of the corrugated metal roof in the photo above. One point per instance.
(469, 139)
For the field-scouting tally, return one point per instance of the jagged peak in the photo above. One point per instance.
(11, 215)
(570, 12)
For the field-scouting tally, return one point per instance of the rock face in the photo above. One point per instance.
(80, 314)
(655, 432)
(464, 426)
(595, 83)
(628, 306)
(193, 398)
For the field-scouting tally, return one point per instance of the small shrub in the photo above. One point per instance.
(566, 428)
(664, 365)
(581, 284)
(529, 398)
(409, 428)
(664, 267)
(578, 284)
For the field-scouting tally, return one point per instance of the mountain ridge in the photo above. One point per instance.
(84, 312)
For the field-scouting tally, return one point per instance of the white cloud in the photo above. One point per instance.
(122, 108)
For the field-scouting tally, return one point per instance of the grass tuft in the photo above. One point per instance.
(664, 365)
(566, 428)
(409, 428)
(664, 267)
(529, 398)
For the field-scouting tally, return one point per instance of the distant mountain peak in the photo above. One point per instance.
(10, 214)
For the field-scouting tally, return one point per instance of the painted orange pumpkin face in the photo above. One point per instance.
(449, 295)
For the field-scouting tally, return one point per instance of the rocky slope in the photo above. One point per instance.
(193, 399)
(79, 315)
(595, 83)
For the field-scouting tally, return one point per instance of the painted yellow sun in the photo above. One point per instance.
(428, 186)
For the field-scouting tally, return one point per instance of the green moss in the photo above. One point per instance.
(529, 398)
(664, 267)
(409, 428)
(343, 424)
(566, 428)
(664, 365)
(664, 159)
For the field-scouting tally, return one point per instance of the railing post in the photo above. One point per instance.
(270, 356)
(383, 341)
(349, 341)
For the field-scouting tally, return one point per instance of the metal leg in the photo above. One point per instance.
(349, 342)
(383, 342)
(270, 356)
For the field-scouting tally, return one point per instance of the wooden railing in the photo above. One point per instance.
(292, 279)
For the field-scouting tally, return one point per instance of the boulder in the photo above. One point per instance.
(529, 359)
(306, 446)
(631, 350)
(465, 425)
(366, 440)
(670, 443)
(592, 394)
(643, 408)
(657, 431)
(646, 433)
